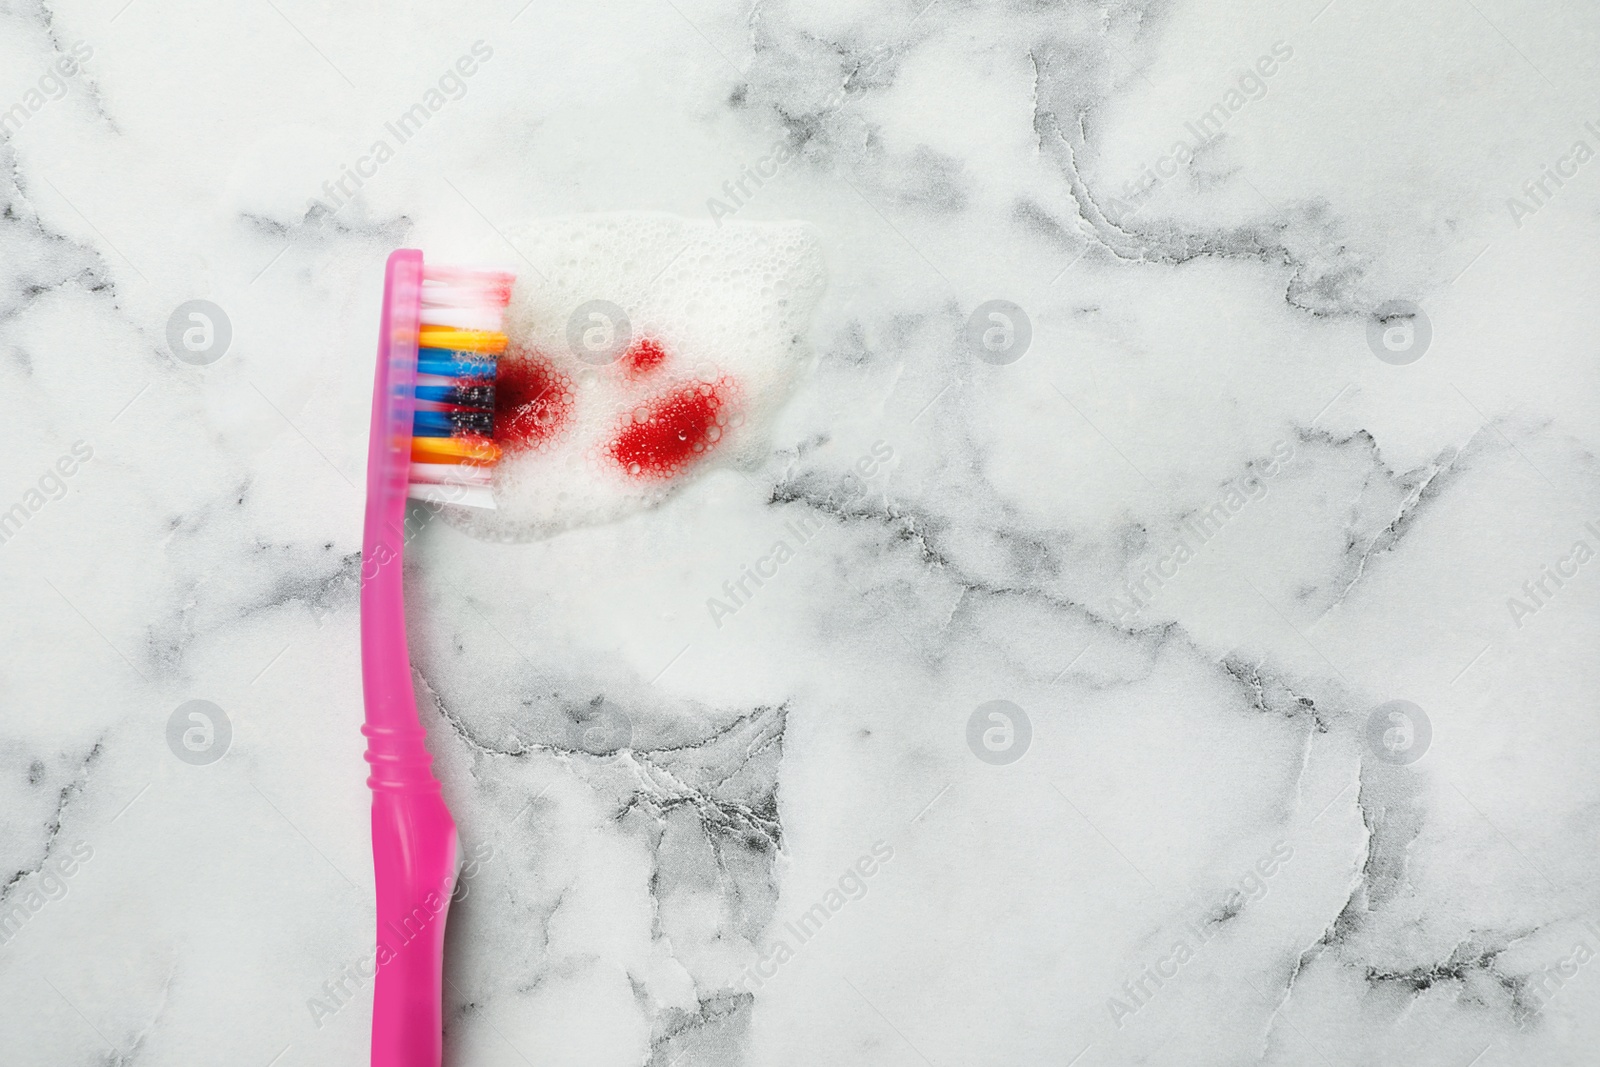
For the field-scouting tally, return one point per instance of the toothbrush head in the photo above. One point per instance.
(433, 400)
(459, 342)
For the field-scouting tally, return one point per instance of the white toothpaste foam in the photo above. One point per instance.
(726, 309)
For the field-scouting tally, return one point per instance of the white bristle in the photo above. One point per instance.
(482, 317)
(466, 496)
(462, 296)
(449, 474)
(437, 274)
(437, 380)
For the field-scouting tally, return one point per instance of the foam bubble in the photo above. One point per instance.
(600, 419)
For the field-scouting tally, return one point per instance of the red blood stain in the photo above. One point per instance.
(532, 401)
(667, 434)
(642, 357)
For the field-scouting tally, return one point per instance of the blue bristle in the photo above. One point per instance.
(422, 428)
(455, 364)
(478, 394)
(447, 423)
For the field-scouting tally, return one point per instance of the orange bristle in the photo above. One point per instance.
(477, 450)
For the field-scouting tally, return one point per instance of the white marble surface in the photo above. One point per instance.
(659, 798)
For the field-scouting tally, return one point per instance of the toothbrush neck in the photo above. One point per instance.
(396, 746)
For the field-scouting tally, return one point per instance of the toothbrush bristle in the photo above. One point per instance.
(458, 345)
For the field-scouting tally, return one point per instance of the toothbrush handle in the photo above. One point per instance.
(414, 845)
(414, 853)
(414, 859)
(413, 837)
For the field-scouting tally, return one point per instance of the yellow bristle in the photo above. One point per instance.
(457, 340)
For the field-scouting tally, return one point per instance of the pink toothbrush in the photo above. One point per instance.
(432, 424)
